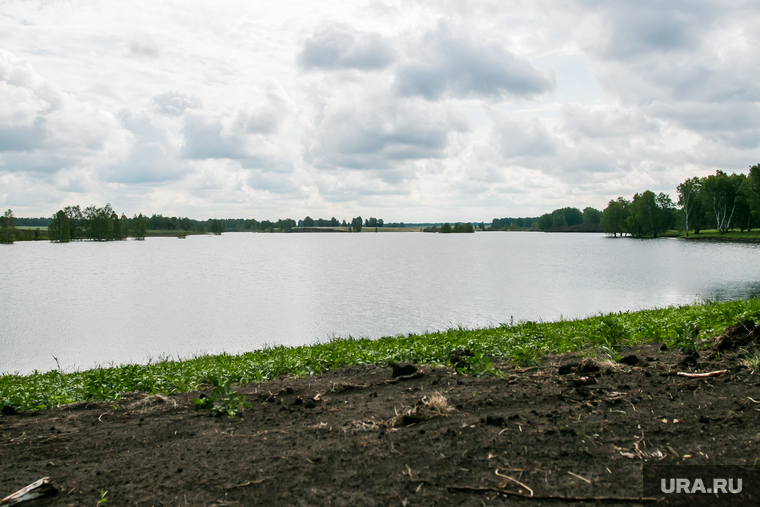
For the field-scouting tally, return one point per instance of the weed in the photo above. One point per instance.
(103, 498)
(222, 401)
(752, 361)
(479, 365)
(686, 338)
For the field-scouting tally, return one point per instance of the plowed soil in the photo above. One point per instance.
(371, 440)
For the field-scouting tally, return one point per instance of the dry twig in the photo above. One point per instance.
(515, 481)
(717, 373)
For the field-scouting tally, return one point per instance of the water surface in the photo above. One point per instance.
(90, 303)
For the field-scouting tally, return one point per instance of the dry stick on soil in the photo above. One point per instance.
(557, 498)
(414, 375)
(582, 478)
(703, 375)
(37, 489)
(259, 481)
(515, 481)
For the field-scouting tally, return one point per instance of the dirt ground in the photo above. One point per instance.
(369, 439)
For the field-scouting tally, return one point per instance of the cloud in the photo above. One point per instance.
(341, 48)
(379, 133)
(626, 30)
(733, 124)
(521, 139)
(153, 156)
(43, 129)
(237, 136)
(21, 137)
(144, 46)
(605, 122)
(459, 65)
(174, 103)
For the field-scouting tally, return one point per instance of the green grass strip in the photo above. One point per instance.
(521, 342)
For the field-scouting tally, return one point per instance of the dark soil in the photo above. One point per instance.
(368, 439)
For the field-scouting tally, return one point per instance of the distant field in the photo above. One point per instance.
(31, 227)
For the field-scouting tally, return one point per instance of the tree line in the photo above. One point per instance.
(721, 201)
(447, 228)
(98, 224)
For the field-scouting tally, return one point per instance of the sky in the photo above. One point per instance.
(409, 111)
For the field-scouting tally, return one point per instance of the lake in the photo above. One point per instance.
(89, 303)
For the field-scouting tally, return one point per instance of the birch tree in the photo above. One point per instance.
(688, 200)
(721, 191)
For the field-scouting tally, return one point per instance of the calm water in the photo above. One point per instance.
(97, 303)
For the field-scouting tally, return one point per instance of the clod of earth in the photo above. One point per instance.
(741, 334)
(630, 360)
(402, 369)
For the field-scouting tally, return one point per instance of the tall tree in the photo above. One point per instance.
(752, 184)
(688, 200)
(614, 216)
(721, 191)
(58, 229)
(76, 221)
(124, 226)
(138, 224)
(217, 226)
(592, 216)
(356, 224)
(7, 227)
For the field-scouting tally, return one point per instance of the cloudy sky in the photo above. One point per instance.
(413, 111)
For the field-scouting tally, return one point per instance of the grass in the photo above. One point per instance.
(714, 235)
(523, 343)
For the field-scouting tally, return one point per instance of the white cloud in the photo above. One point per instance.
(174, 103)
(342, 48)
(144, 46)
(43, 129)
(380, 132)
(443, 63)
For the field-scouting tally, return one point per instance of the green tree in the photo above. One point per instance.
(139, 228)
(545, 221)
(592, 216)
(614, 217)
(7, 227)
(115, 226)
(77, 225)
(446, 228)
(689, 202)
(752, 183)
(217, 226)
(308, 222)
(573, 216)
(58, 229)
(124, 226)
(649, 214)
(356, 224)
(721, 191)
